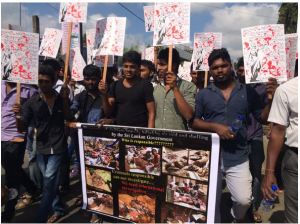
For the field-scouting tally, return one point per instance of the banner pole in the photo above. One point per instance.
(170, 58)
(105, 68)
(70, 25)
(206, 79)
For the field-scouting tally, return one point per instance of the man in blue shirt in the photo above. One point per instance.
(217, 107)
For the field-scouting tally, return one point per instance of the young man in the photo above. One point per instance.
(174, 98)
(255, 142)
(217, 107)
(13, 145)
(284, 132)
(147, 70)
(132, 97)
(198, 78)
(47, 112)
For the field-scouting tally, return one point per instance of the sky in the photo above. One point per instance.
(227, 18)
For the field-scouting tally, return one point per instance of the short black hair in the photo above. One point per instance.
(218, 54)
(240, 62)
(133, 57)
(164, 55)
(148, 64)
(53, 63)
(92, 71)
(48, 71)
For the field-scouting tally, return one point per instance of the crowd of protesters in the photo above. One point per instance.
(145, 95)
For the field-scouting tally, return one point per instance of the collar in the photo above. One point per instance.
(178, 80)
(42, 98)
(214, 88)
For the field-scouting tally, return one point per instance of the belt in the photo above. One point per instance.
(293, 149)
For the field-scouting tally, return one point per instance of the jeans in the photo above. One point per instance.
(290, 182)
(73, 146)
(256, 159)
(49, 166)
(238, 180)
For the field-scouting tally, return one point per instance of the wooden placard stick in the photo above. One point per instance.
(170, 58)
(155, 56)
(205, 79)
(105, 68)
(70, 25)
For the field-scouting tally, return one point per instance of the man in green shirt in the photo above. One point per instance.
(174, 97)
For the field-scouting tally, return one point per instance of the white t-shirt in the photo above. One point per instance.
(284, 110)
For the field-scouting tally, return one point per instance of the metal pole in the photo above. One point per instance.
(20, 15)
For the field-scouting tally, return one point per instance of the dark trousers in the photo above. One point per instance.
(12, 157)
(290, 182)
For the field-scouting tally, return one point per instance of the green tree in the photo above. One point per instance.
(288, 15)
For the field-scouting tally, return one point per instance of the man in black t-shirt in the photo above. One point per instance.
(132, 97)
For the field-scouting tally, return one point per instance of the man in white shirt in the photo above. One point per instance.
(284, 117)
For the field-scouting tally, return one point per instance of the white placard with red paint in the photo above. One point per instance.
(73, 12)
(204, 43)
(291, 51)
(78, 66)
(50, 43)
(184, 71)
(171, 23)
(149, 17)
(110, 36)
(75, 37)
(148, 54)
(264, 53)
(19, 56)
(96, 60)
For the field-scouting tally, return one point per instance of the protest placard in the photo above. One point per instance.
(75, 37)
(50, 43)
(291, 51)
(204, 43)
(73, 12)
(264, 53)
(91, 59)
(78, 66)
(149, 54)
(149, 175)
(110, 36)
(184, 71)
(19, 56)
(149, 17)
(171, 23)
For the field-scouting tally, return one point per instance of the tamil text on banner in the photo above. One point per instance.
(19, 56)
(110, 35)
(148, 54)
(91, 58)
(184, 71)
(149, 175)
(204, 43)
(50, 43)
(73, 12)
(149, 17)
(264, 53)
(171, 23)
(75, 37)
(291, 51)
(78, 66)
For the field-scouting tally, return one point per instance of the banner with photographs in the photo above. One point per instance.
(149, 175)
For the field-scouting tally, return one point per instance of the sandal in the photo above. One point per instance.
(54, 218)
(95, 219)
(257, 217)
(25, 200)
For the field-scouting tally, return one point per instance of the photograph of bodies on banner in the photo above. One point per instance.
(98, 178)
(141, 159)
(137, 207)
(187, 193)
(189, 163)
(100, 202)
(101, 152)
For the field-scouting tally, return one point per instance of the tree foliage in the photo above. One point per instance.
(288, 15)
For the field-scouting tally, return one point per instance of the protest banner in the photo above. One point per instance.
(149, 175)
(19, 56)
(78, 66)
(149, 17)
(95, 60)
(149, 54)
(73, 12)
(50, 43)
(184, 71)
(264, 53)
(291, 52)
(204, 43)
(171, 23)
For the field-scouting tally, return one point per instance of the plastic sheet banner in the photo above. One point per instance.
(149, 175)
